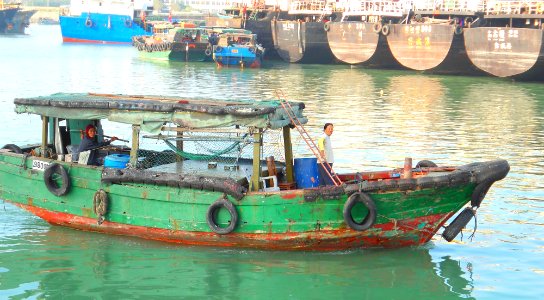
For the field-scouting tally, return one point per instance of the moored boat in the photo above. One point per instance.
(254, 16)
(107, 22)
(217, 186)
(176, 44)
(238, 49)
(510, 41)
(20, 21)
(357, 37)
(7, 12)
(432, 39)
(300, 37)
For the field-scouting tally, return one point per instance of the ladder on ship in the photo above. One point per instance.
(306, 137)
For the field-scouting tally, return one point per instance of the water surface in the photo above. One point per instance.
(380, 118)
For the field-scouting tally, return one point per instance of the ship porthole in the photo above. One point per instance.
(369, 219)
(53, 173)
(212, 214)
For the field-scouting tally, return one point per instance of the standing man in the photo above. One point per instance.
(325, 150)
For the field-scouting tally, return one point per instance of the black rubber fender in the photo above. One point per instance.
(13, 148)
(377, 27)
(426, 164)
(327, 26)
(218, 49)
(385, 30)
(208, 51)
(370, 218)
(210, 216)
(479, 192)
(453, 229)
(457, 30)
(50, 182)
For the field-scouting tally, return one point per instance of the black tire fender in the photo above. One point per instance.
(377, 27)
(208, 51)
(51, 183)
(426, 164)
(211, 213)
(327, 26)
(128, 23)
(385, 30)
(218, 49)
(457, 29)
(13, 148)
(370, 218)
(479, 192)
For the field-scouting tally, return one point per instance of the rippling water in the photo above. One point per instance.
(380, 118)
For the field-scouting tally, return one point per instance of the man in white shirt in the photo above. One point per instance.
(325, 150)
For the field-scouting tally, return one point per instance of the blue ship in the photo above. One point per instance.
(93, 21)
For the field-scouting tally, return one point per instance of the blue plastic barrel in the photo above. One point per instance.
(118, 161)
(306, 173)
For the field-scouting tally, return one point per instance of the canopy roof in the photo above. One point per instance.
(151, 112)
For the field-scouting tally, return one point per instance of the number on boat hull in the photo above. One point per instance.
(39, 165)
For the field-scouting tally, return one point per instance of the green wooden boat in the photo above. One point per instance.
(228, 196)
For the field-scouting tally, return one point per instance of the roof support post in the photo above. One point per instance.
(135, 145)
(45, 122)
(288, 147)
(179, 143)
(257, 142)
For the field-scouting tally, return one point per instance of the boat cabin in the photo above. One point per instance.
(245, 141)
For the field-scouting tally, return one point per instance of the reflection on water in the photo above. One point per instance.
(380, 118)
(91, 265)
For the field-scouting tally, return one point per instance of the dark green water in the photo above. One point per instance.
(380, 118)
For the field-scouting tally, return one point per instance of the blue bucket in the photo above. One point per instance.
(117, 161)
(306, 172)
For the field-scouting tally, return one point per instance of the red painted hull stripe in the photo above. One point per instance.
(389, 235)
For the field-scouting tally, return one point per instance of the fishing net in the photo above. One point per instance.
(229, 149)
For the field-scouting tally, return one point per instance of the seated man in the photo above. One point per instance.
(89, 143)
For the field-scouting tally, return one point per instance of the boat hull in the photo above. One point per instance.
(357, 43)
(433, 48)
(100, 28)
(6, 19)
(409, 212)
(507, 52)
(301, 42)
(237, 56)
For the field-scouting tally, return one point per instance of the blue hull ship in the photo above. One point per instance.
(91, 21)
(100, 28)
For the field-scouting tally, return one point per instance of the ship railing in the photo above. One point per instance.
(376, 8)
(451, 6)
(310, 7)
(514, 8)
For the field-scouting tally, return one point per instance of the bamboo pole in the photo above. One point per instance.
(135, 145)
(288, 147)
(45, 121)
(256, 161)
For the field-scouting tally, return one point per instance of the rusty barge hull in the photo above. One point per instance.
(360, 43)
(433, 48)
(507, 52)
(301, 42)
